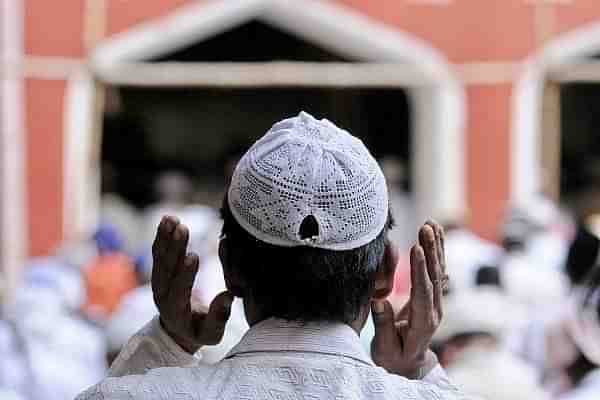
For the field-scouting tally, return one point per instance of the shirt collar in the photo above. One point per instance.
(276, 335)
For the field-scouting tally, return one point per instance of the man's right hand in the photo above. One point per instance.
(401, 343)
(173, 274)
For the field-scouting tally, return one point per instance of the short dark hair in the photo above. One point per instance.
(304, 283)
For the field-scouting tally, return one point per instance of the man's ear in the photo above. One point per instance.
(233, 280)
(384, 278)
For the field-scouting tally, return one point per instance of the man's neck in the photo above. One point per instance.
(254, 315)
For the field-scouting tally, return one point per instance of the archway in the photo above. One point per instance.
(13, 224)
(536, 127)
(386, 59)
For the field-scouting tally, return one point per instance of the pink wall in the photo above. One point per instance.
(44, 125)
(464, 30)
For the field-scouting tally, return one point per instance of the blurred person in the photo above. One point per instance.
(115, 210)
(542, 292)
(127, 155)
(535, 280)
(488, 275)
(583, 254)
(401, 202)
(46, 331)
(466, 252)
(108, 277)
(535, 288)
(470, 343)
(308, 277)
(133, 312)
(548, 243)
(15, 376)
(538, 232)
(580, 324)
(173, 190)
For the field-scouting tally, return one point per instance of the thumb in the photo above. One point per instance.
(386, 336)
(216, 319)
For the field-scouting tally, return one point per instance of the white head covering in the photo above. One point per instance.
(465, 254)
(303, 167)
(480, 309)
(530, 285)
(495, 374)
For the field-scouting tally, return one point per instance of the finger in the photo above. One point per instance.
(160, 247)
(163, 233)
(175, 256)
(442, 259)
(386, 336)
(434, 265)
(212, 327)
(427, 242)
(182, 284)
(421, 292)
(438, 234)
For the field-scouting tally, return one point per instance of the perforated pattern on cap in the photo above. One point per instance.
(303, 167)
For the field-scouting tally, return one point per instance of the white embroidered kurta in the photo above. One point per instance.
(274, 360)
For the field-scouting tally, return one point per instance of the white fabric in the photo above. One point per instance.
(51, 356)
(9, 394)
(275, 359)
(465, 254)
(403, 235)
(136, 309)
(530, 284)
(495, 375)
(304, 167)
(49, 273)
(200, 220)
(15, 376)
(54, 352)
(480, 309)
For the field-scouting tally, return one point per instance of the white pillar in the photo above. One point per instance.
(13, 205)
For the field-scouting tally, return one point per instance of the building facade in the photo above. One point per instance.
(481, 75)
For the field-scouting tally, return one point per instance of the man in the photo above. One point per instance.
(581, 321)
(470, 342)
(304, 246)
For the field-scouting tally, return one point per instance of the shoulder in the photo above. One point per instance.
(434, 387)
(157, 384)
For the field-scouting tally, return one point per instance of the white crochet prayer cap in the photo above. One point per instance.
(306, 167)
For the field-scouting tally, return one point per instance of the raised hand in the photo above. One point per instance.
(173, 274)
(401, 343)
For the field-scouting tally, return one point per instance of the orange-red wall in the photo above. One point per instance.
(44, 146)
(465, 31)
(488, 154)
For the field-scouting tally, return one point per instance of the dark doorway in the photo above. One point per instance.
(201, 131)
(580, 146)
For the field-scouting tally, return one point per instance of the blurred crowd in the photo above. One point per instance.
(521, 318)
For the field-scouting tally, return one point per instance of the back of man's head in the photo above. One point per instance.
(305, 221)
